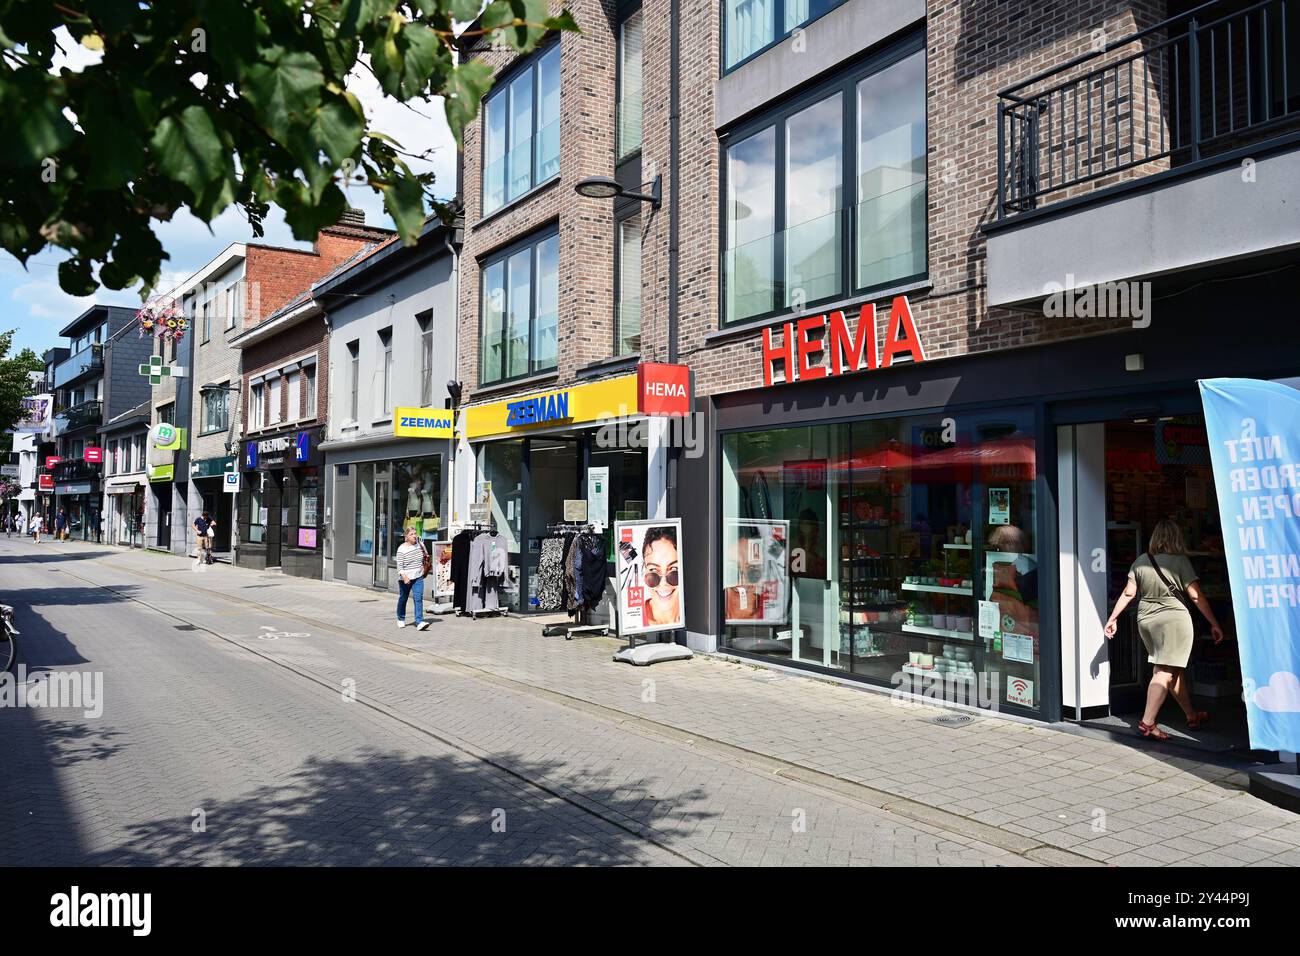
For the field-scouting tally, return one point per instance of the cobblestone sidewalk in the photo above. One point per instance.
(1103, 799)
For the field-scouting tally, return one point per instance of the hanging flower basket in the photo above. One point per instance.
(162, 317)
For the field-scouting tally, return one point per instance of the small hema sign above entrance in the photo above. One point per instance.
(805, 343)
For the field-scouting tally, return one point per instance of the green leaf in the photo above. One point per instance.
(34, 131)
(188, 149)
(466, 86)
(76, 277)
(465, 10)
(286, 92)
(404, 200)
(564, 21)
(339, 126)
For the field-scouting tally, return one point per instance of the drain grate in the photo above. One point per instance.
(952, 720)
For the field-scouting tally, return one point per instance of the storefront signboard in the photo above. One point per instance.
(211, 467)
(806, 342)
(10, 471)
(230, 482)
(306, 537)
(282, 451)
(51, 461)
(45, 482)
(1255, 453)
(161, 472)
(664, 389)
(1020, 691)
(756, 571)
(75, 488)
(93, 455)
(649, 576)
(423, 422)
(575, 509)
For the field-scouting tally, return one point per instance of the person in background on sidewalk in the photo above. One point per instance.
(61, 526)
(203, 532)
(9, 525)
(410, 570)
(37, 523)
(1161, 577)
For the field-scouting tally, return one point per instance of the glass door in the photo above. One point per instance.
(552, 478)
(383, 542)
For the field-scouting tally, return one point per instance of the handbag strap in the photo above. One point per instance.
(1173, 591)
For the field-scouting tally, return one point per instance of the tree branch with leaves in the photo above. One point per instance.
(205, 104)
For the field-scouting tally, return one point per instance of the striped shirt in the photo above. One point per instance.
(410, 560)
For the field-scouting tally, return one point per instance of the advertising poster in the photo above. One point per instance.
(805, 508)
(999, 506)
(1253, 446)
(755, 571)
(647, 561)
(35, 415)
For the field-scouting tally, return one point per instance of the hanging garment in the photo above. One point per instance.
(442, 569)
(460, 546)
(572, 590)
(550, 575)
(590, 568)
(488, 561)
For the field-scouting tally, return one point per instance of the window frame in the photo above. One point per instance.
(424, 322)
(501, 88)
(224, 397)
(620, 155)
(620, 219)
(778, 35)
(385, 409)
(531, 242)
(845, 83)
(354, 380)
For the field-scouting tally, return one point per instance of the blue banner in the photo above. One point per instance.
(1254, 432)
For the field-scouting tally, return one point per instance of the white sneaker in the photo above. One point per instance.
(422, 626)
(401, 624)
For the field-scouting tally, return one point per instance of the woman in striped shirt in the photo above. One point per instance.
(410, 570)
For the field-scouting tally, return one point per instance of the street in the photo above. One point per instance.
(253, 718)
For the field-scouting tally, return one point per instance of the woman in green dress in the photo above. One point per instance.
(1165, 623)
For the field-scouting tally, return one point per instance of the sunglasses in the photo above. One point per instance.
(652, 578)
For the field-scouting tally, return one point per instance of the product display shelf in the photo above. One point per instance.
(965, 636)
(939, 589)
(916, 671)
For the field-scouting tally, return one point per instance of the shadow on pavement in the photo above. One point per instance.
(389, 809)
(49, 557)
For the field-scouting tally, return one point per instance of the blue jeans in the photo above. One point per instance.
(415, 588)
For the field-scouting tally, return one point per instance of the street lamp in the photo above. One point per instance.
(605, 187)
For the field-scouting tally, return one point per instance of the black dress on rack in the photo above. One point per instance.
(460, 568)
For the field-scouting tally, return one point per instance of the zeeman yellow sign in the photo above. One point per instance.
(423, 422)
(577, 404)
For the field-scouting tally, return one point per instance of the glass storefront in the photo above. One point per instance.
(872, 548)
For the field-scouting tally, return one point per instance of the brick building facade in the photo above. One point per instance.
(1026, 195)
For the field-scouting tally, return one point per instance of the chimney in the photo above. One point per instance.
(352, 216)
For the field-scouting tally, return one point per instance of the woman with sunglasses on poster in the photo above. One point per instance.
(659, 554)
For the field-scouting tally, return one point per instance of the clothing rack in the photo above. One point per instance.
(583, 624)
(499, 611)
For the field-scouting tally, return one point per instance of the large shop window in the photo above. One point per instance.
(520, 308)
(754, 25)
(365, 511)
(794, 237)
(417, 492)
(521, 132)
(871, 547)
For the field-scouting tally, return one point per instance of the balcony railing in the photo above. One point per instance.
(89, 359)
(1196, 86)
(79, 416)
(74, 471)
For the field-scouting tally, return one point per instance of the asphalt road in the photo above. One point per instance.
(231, 734)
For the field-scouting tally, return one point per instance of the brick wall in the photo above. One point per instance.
(274, 276)
(586, 226)
(310, 336)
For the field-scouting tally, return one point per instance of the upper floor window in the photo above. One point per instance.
(167, 413)
(234, 296)
(627, 304)
(216, 410)
(521, 131)
(754, 25)
(794, 237)
(257, 407)
(426, 358)
(520, 309)
(384, 384)
(629, 86)
(354, 380)
(309, 374)
(274, 402)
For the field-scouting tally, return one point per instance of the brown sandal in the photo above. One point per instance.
(1197, 720)
(1152, 731)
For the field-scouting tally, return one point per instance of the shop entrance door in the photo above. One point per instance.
(553, 469)
(164, 491)
(1128, 473)
(275, 517)
(383, 539)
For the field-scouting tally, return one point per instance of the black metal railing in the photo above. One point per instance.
(74, 470)
(1215, 79)
(82, 414)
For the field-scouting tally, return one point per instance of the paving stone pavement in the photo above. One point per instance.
(290, 742)
(1098, 799)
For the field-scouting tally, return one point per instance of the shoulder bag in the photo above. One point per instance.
(1176, 591)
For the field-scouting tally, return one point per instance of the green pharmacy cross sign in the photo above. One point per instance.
(157, 371)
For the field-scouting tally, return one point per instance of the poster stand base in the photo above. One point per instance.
(1278, 784)
(643, 655)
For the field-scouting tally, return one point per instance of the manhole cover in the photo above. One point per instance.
(952, 720)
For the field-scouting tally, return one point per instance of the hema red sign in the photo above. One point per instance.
(93, 455)
(804, 341)
(664, 389)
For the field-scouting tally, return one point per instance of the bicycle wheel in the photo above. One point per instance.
(8, 649)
